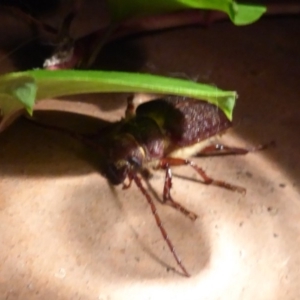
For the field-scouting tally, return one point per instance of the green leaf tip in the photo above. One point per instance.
(244, 14)
(240, 14)
(17, 91)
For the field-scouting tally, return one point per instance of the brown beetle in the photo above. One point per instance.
(153, 136)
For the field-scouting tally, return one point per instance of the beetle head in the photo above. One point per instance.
(124, 155)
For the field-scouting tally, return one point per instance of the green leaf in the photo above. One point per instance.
(50, 84)
(240, 14)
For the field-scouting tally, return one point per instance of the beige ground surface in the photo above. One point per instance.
(66, 234)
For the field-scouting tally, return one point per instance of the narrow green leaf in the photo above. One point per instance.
(69, 82)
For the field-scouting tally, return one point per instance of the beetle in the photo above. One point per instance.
(157, 134)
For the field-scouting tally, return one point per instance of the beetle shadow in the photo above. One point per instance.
(126, 55)
(28, 149)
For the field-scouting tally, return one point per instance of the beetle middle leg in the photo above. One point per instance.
(130, 109)
(167, 198)
(172, 161)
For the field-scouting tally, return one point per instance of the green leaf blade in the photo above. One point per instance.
(69, 82)
(49, 84)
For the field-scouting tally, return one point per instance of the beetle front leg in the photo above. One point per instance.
(170, 161)
(139, 184)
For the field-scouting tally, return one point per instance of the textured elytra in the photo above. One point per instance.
(185, 121)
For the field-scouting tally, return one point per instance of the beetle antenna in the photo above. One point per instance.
(84, 138)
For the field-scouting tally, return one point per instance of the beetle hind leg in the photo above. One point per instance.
(221, 149)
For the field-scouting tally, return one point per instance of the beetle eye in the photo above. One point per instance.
(135, 162)
(114, 174)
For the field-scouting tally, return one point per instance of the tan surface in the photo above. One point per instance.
(65, 234)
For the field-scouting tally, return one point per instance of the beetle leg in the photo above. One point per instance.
(171, 161)
(138, 182)
(130, 109)
(221, 149)
(167, 198)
